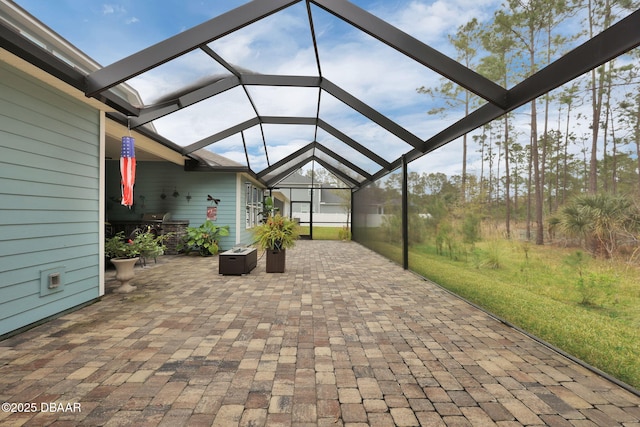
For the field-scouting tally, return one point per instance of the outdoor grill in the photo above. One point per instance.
(155, 220)
(161, 223)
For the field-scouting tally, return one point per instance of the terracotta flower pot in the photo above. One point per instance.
(124, 273)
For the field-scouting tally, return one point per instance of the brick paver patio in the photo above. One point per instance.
(343, 338)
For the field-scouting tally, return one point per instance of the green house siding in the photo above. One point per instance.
(49, 209)
(155, 179)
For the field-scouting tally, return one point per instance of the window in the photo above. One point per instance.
(253, 198)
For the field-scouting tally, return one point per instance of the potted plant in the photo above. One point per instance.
(119, 246)
(124, 254)
(275, 236)
(204, 239)
(149, 244)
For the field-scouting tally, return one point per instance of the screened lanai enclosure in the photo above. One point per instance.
(342, 96)
(420, 127)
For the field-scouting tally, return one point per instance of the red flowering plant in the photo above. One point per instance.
(120, 247)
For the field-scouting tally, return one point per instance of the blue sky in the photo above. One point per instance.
(111, 30)
(381, 77)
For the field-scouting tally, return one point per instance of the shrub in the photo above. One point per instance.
(596, 288)
(602, 221)
(471, 229)
(493, 257)
(203, 239)
(344, 233)
(150, 244)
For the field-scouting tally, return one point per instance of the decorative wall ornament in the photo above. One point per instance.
(127, 170)
(212, 213)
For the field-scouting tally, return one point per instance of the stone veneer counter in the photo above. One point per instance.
(178, 229)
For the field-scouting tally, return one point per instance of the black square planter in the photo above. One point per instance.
(275, 261)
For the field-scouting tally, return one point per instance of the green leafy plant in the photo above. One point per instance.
(276, 233)
(602, 221)
(149, 244)
(577, 261)
(391, 228)
(204, 239)
(268, 208)
(119, 246)
(141, 243)
(471, 229)
(446, 240)
(344, 233)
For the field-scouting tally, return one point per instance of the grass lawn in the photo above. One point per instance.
(588, 308)
(322, 233)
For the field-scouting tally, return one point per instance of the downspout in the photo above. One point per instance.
(239, 218)
(101, 200)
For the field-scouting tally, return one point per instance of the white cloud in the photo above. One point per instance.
(381, 77)
(112, 9)
(280, 43)
(378, 75)
(108, 9)
(432, 21)
(206, 118)
(284, 101)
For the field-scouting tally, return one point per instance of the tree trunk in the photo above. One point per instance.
(614, 159)
(537, 181)
(464, 149)
(537, 178)
(515, 188)
(529, 183)
(565, 180)
(637, 137)
(597, 90)
(545, 134)
(605, 131)
(507, 178)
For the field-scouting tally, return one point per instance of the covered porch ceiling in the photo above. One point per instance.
(276, 120)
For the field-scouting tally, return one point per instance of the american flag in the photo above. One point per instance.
(127, 170)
